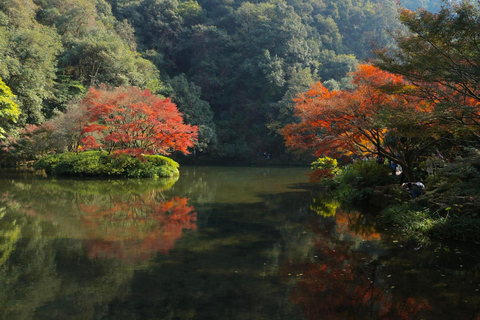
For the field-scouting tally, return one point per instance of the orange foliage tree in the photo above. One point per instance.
(382, 115)
(439, 53)
(132, 121)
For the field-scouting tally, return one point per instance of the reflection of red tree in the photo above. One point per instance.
(333, 290)
(352, 223)
(342, 286)
(136, 230)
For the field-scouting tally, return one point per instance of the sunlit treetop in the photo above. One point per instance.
(132, 121)
(9, 110)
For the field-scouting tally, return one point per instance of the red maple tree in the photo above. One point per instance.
(382, 115)
(132, 121)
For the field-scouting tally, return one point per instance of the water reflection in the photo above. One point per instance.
(66, 245)
(137, 229)
(219, 243)
(357, 273)
(47, 277)
(130, 220)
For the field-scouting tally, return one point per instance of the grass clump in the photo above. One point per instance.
(100, 163)
(424, 224)
(418, 224)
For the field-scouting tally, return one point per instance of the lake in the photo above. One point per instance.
(216, 243)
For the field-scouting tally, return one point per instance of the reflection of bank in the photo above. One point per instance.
(347, 222)
(128, 219)
(135, 225)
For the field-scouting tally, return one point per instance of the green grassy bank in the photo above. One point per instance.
(99, 163)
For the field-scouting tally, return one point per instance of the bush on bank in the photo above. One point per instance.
(100, 163)
(355, 183)
(449, 207)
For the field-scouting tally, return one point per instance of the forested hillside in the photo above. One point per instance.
(232, 67)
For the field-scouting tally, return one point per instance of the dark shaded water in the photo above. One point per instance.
(219, 243)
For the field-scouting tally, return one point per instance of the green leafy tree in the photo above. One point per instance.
(19, 12)
(97, 49)
(430, 5)
(9, 110)
(158, 24)
(102, 57)
(72, 18)
(187, 97)
(27, 65)
(282, 113)
(191, 12)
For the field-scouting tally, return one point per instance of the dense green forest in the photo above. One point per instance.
(232, 67)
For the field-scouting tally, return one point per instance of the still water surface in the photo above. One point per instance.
(215, 243)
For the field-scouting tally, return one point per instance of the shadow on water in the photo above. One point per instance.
(229, 243)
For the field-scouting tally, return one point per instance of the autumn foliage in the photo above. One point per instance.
(382, 115)
(440, 54)
(131, 121)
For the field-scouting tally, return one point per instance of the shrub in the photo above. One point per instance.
(355, 182)
(323, 168)
(365, 174)
(99, 163)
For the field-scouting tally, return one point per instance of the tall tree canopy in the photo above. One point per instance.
(234, 57)
(247, 56)
(440, 55)
(28, 57)
(187, 97)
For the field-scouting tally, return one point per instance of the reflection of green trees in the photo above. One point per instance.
(102, 187)
(9, 233)
(52, 247)
(324, 207)
(126, 219)
(27, 278)
(40, 273)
